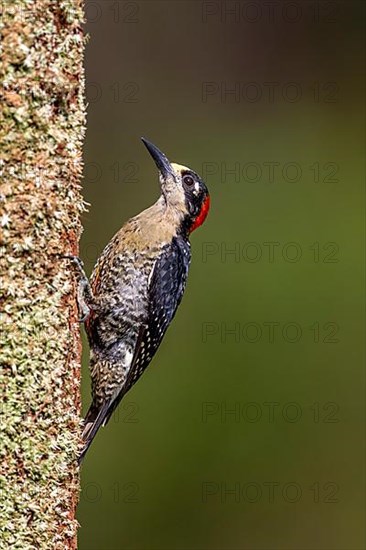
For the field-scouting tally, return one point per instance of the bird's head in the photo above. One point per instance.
(182, 189)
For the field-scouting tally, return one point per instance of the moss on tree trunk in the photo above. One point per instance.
(42, 129)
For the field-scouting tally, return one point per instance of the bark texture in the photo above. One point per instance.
(41, 132)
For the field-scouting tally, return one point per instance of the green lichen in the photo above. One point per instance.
(42, 130)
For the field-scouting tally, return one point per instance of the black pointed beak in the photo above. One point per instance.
(164, 166)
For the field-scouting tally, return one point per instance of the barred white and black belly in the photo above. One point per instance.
(138, 300)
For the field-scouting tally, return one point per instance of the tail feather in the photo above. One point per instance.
(97, 417)
(94, 419)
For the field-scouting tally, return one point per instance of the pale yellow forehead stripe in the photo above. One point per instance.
(179, 167)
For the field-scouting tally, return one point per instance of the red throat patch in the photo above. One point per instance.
(202, 215)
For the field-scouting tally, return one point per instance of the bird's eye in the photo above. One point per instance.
(188, 180)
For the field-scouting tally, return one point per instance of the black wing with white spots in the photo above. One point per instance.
(166, 287)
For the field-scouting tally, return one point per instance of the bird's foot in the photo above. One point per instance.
(85, 297)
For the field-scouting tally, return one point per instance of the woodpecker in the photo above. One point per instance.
(136, 287)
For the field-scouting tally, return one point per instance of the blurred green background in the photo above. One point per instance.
(247, 430)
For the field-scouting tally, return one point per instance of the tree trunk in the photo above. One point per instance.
(42, 129)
